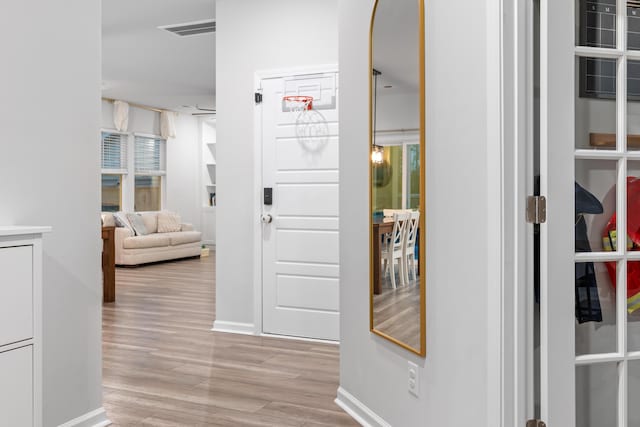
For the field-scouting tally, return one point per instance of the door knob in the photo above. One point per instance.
(266, 218)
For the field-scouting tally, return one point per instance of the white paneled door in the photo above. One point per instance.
(300, 258)
(590, 243)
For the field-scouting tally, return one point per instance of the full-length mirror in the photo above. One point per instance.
(397, 152)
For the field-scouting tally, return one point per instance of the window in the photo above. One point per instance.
(114, 166)
(397, 179)
(149, 171)
(413, 176)
(111, 193)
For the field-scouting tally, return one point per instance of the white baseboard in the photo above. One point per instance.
(358, 410)
(97, 418)
(234, 327)
(289, 337)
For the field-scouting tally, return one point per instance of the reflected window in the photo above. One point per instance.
(397, 178)
(111, 193)
(413, 176)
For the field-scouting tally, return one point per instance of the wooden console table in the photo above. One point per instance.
(108, 264)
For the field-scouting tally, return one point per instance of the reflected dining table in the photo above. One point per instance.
(381, 226)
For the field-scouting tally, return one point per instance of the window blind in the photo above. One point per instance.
(114, 151)
(149, 155)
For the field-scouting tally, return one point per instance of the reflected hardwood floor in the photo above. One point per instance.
(162, 366)
(396, 312)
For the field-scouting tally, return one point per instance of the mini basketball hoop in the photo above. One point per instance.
(311, 128)
(298, 103)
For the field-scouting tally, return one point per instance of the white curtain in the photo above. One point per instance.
(121, 115)
(167, 124)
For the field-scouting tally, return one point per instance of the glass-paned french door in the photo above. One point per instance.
(590, 244)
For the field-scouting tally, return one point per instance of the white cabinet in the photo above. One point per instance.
(16, 388)
(21, 326)
(16, 294)
(208, 181)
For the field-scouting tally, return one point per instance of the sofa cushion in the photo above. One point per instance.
(168, 222)
(150, 222)
(138, 224)
(149, 241)
(183, 237)
(121, 220)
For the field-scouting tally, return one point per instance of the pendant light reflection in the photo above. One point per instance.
(377, 152)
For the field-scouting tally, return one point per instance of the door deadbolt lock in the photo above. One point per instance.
(266, 218)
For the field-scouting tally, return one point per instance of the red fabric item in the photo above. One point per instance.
(633, 233)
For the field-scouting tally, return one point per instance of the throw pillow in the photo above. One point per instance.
(121, 221)
(138, 224)
(168, 222)
(150, 222)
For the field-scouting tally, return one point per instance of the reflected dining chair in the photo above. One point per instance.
(393, 248)
(409, 246)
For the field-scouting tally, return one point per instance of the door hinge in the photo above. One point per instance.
(536, 423)
(257, 97)
(536, 209)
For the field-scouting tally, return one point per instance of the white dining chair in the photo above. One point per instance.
(409, 246)
(392, 251)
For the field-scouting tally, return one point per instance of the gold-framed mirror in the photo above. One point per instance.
(397, 173)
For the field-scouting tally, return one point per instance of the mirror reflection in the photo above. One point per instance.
(397, 194)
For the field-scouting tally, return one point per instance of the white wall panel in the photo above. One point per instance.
(317, 270)
(49, 175)
(454, 377)
(307, 246)
(308, 292)
(321, 153)
(307, 199)
(295, 177)
(307, 223)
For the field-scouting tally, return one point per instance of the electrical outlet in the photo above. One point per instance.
(413, 379)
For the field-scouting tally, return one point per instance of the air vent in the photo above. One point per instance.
(633, 3)
(191, 28)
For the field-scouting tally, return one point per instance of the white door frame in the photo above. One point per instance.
(517, 298)
(257, 183)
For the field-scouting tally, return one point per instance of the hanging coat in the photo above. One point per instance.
(587, 304)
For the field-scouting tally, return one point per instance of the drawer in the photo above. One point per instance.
(16, 294)
(16, 387)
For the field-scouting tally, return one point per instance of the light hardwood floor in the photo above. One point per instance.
(396, 312)
(164, 367)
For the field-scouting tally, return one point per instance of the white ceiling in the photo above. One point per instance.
(395, 46)
(145, 65)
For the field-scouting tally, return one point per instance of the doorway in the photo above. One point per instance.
(588, 358)
(298, 126)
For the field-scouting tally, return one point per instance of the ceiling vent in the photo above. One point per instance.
(191, 28)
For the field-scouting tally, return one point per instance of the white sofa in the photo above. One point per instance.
(132, 249)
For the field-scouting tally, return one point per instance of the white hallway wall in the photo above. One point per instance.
(183, 158)
(49, 170)
(459, 377)
(254, 35)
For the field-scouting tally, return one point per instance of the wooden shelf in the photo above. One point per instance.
(608, 140)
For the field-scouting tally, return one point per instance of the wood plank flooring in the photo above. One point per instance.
(162, 366)
(396, 312)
